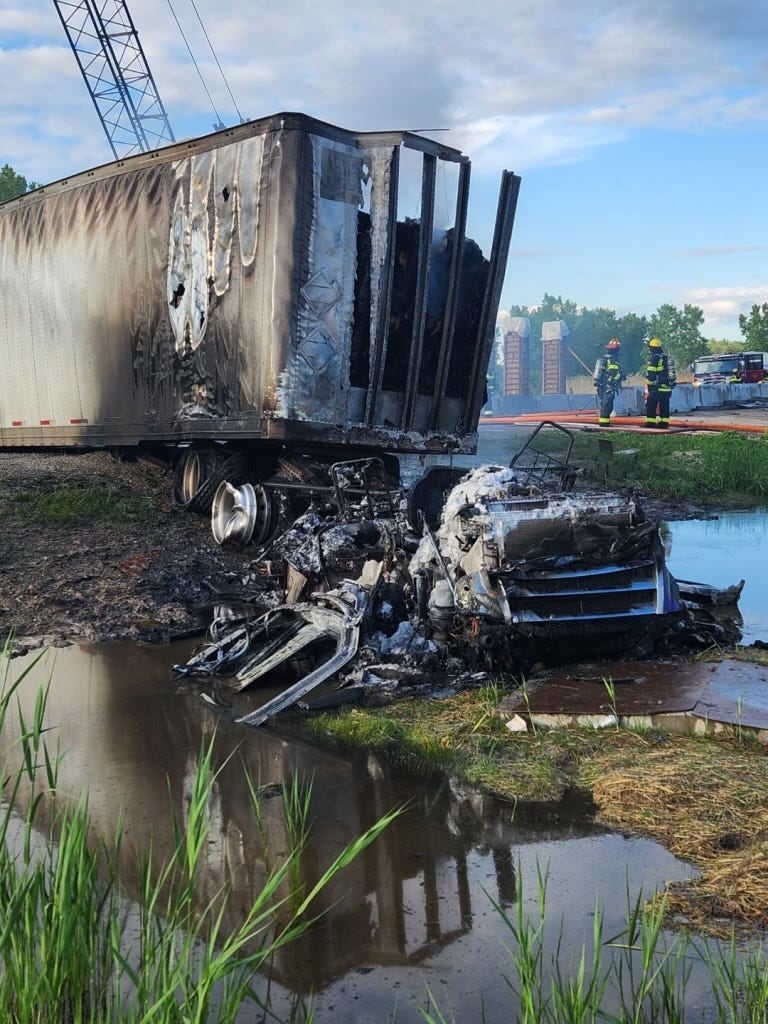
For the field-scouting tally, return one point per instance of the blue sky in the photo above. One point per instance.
(639, 129)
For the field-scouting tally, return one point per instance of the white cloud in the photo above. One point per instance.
(530, 141)
(551, 80)
(549, 84)
(34, 20)
(722, 305)
(722, 250)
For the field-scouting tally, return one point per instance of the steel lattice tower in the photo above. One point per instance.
(105, 42)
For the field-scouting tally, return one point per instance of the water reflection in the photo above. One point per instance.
(415, 910)
(721, 551)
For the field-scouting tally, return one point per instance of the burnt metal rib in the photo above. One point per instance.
(428, 176)
(447, 340)
(278, 651)
(385, 296)
(340, 617)
(505, 218)
(347, 643)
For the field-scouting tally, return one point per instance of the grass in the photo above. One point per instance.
(71, 504)
(639, 976)
(704, 798)
(463, 735)
(707, 801)
(66, 953)
(723, 469)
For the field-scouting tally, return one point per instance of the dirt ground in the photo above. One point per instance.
(154, 577)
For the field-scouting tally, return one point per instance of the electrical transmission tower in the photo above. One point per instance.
(107, 48)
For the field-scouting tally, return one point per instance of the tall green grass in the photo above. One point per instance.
(639, 976)
(66, 953)
(720, 468)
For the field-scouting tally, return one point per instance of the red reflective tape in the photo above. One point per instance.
(78, 421)
(45, 423)
(16, 423)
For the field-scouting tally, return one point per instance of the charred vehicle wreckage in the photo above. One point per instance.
(377, 591)
(300, 307)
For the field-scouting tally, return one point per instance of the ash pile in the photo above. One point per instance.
(379, 594)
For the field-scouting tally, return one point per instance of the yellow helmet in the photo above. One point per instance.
(654, 343)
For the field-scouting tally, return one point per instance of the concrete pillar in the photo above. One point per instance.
(517, 341)
(553, 353)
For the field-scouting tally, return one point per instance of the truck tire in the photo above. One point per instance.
(427, 496)
(198, 475)
(194, 465)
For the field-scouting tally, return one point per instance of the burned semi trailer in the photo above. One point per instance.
(277, 288)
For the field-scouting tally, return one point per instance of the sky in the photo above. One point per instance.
(638, 127)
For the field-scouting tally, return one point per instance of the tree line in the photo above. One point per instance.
(13, 184)
(589, 330)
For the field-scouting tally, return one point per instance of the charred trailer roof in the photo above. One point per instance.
(285, 279)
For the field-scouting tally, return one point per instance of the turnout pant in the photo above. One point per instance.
(657, 400)
(606, 407)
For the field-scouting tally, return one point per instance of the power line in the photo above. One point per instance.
(221, 70)
(219, 124)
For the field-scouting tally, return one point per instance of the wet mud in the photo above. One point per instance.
(680, 696)
(154, 576)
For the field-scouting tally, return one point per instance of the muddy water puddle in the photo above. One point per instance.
(721, 551)
(413, 913)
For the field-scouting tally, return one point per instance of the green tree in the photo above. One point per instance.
(632, 332)
(755, 328)
(679, 331)
(591, 331)
(718, 346)
(13, 184)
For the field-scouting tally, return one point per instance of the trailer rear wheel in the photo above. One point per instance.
(199, 472)
(194, 465)
(243, 514)
(266, 515)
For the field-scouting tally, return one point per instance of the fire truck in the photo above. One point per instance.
(731, 367)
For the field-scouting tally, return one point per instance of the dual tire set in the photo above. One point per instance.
(213, 481)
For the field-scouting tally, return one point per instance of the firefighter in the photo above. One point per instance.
(607, 379)
(660, 378)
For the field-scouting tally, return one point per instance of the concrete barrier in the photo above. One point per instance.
(630, 401)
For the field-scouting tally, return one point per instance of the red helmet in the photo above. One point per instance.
(613, 344)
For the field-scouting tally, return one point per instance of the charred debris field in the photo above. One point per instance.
(92, 548)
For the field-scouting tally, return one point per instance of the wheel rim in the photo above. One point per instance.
(233, 513)
(191, 474)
